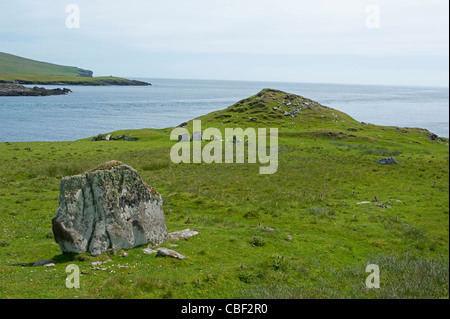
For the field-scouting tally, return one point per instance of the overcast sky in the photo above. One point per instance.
(401, 42)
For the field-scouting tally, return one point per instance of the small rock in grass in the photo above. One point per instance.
(148, 251)
(42, 262)
(388, 161)
(97, 263)
(185, 234)
(165, 252)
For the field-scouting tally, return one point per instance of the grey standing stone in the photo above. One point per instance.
(108, 208)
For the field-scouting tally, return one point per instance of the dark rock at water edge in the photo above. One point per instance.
(13, 89)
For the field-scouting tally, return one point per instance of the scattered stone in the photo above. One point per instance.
(183, 124)
(183, 137)
(49, 265)
(185, 234)
(42, 262)
(270, 229)
(388, 161)
(97, 263)
(108, 137)
(165, 252)
(124, 254)
(99, 137)
(363, 203)
(148, 251)
(197, 137)
(108, 208)
(352, 130)
(289, 237)
(130, 139)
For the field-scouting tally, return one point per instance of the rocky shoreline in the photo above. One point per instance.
(14, 89)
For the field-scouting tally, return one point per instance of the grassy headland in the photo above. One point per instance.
(299, 233)
(25, 71)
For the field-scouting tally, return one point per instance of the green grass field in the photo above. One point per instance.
(319, 241)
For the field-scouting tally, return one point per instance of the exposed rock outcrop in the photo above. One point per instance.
(13, 89)
(388, 161)
(108, 207)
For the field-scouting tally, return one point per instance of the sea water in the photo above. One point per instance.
(92, 110)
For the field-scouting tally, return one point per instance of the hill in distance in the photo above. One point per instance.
(26, 71)
(12, 64)
(299, 116)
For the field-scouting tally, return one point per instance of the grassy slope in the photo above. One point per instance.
(324, 170)
(14, 68)
(11, 64)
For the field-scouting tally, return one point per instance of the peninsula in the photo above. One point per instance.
(19, 70)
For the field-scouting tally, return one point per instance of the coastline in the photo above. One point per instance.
(14, 89)
(30, 79)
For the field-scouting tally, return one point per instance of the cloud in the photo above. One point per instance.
(117, 35)
(249, 26)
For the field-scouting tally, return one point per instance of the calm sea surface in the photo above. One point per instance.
(90, 110)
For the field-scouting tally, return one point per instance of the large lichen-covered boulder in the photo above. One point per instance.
(108, 207)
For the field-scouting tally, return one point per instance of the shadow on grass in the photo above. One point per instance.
(57, 259)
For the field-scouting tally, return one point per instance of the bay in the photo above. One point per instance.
(91, 110)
